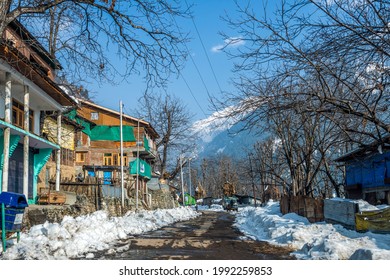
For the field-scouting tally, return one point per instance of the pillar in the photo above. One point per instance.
(58, 153)
(26, 140)
(7, 131)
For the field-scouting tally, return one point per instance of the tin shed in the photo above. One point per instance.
(367, 172)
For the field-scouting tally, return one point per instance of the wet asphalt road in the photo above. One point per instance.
(210, 236)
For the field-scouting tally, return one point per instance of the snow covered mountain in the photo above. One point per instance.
(220, 134)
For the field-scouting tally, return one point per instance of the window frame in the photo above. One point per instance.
(80, 157)
(18, 115)
(94, 116)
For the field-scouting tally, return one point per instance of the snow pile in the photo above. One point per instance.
(362, 204)
(74, 237)
(311, 241)
(213, 207)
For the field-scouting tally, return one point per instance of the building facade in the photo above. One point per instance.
(27, 90)
(367, 172)
(98, 153)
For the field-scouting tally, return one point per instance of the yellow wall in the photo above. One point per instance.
(67, 133)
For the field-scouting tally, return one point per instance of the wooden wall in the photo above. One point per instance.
(311, 208)
(105, 118)
(24, 49)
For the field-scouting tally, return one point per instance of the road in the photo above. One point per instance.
(210, 236)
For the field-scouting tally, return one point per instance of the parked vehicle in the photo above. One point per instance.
(230, 203)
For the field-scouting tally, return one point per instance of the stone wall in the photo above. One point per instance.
(163, 199)
(39, 214)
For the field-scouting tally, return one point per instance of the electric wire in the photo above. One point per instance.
(199, 74)
(190, 90)
(205, 51)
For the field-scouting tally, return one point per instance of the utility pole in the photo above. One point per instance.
(252, 178)
(121, 148)
(182, 181)
(189, 175)
(137, 162)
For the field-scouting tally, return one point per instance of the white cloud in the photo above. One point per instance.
(217, 48)
(232, 42)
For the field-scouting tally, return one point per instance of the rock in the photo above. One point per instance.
(361, 254)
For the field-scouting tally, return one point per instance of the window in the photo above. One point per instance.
(125, 163)
(18, 115)
(67, 157)
(114, 159)
(124, 159)
(107, 159)
(94, 116)
(80, 157)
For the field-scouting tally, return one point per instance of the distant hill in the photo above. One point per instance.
(220, 135)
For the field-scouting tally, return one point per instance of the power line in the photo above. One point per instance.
(205, 52)
(200, 107)
(199, 74)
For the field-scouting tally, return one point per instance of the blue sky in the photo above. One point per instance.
(208, 22)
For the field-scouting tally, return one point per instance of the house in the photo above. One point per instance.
(248, 200)
(367, 172)
(27, 89)
(69, 128)
(97, 151)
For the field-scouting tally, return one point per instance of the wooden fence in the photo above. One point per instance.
(311, 208)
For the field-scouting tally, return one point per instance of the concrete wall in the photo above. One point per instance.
(341, 211)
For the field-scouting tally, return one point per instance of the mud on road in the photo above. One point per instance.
(211, 236)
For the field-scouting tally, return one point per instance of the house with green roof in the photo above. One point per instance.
(97, 150)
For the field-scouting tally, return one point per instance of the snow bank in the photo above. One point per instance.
(76, 236)
(311, 241)
(213, 207)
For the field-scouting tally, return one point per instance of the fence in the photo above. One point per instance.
(311, 208)
(92, 191)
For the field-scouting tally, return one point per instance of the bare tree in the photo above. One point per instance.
(84, 35)
(343, 46)
(172, 121)
(315, 75)
(216, 171)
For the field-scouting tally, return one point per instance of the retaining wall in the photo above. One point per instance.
(39, 214)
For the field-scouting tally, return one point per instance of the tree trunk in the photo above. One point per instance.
(4, 20)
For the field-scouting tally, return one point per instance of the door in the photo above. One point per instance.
(107, 178)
